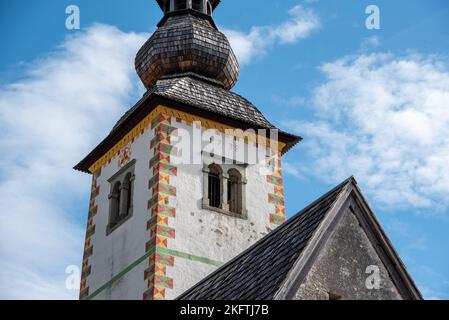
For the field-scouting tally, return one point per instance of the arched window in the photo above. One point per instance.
(121, 197)
(209, 8)
(235, 191)
(197, 5)
(224, 187)
(180, 4)
(214, 182)
(114, 206)
(126, 196)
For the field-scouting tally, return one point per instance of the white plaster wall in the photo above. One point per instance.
(211, 234)
(199, 232)
(186, 273)
(126, 244)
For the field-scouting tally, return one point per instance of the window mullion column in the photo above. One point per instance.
(224, 192)
(123, 200)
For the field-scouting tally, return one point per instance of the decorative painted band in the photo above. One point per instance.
(190, 257)
(90, 232)
(161, 191)
(277, 198)
(163, 257)
(119, 275)
(152, 116)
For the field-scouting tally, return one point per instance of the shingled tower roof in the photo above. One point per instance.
(189, 65)
(187, 41)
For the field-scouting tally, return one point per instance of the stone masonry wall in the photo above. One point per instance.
(340, 269)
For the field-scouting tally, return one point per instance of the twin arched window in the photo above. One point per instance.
(225, 190)
(120, 198)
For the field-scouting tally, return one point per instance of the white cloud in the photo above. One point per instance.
(371, 42)
(59, 110)
(292, 169)
(252, 44)
(384, 119)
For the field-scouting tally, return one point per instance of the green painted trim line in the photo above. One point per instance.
(175, 253)
(120, 275)
(190, 257)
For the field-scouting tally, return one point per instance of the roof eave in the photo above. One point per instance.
(151, 101)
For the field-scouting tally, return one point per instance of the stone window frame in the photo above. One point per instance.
(225, 166)
(127, 171)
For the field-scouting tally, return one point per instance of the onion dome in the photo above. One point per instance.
(187, 42)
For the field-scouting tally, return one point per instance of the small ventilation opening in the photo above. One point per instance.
(334, 296)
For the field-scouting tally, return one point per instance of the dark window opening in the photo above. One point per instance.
(180, 4)
(167, 6)
(214, 192)
(126, 200)
(115, 204)
(197, 5)
(234, 192)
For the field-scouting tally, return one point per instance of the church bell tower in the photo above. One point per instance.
(189, 177)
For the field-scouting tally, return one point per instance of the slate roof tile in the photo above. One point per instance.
(200, 94)
(258, 273)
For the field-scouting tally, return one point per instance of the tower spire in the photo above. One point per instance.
(187, 42)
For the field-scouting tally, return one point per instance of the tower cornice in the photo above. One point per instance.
(147, 108)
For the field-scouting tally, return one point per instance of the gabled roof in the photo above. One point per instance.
(275, 267)
(196, 96)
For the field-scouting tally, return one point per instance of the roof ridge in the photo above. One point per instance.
(271, 235)
(319, 237)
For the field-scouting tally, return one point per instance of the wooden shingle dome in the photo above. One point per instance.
(187, 42)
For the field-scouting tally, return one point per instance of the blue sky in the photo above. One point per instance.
(369, 103)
